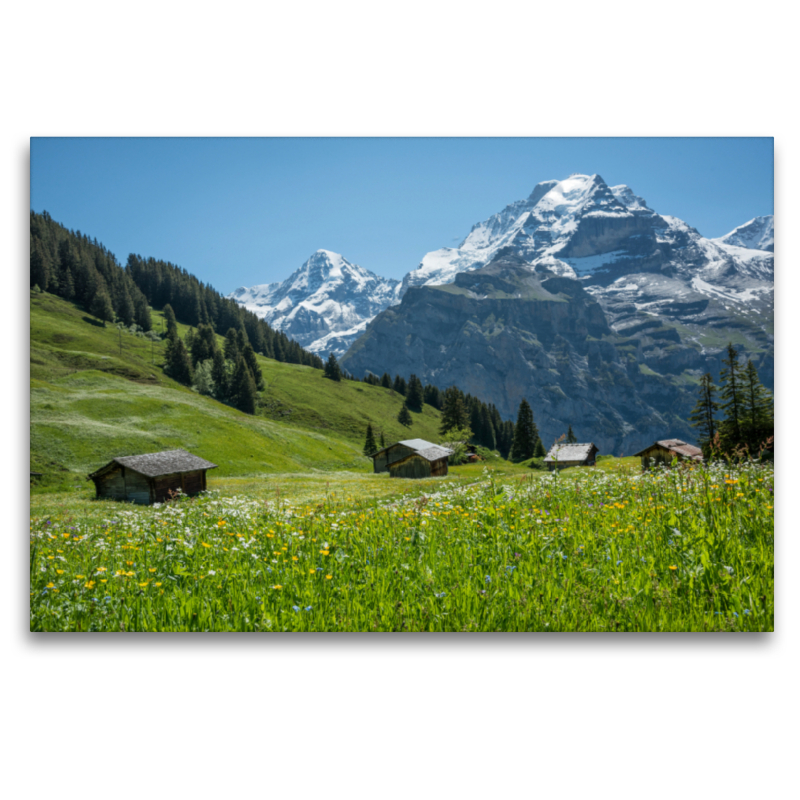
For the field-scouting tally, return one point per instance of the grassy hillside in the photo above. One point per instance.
(97, 393)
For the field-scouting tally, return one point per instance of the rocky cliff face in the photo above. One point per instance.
(601, 312)
(505, 332)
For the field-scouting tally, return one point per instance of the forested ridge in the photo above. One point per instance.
(73, 266)
(69, 264)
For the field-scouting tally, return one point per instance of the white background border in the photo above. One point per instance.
(358, 716)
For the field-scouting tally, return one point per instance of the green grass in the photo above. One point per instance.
(91, 402)
(602, 550)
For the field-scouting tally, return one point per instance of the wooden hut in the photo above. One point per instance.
(151, 477)
(665, 450)
(412, 458)
(571, 455)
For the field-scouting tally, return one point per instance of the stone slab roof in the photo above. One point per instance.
(676, 446)
(570, 452)
(152, 465)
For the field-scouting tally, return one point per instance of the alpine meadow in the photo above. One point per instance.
(565, 423)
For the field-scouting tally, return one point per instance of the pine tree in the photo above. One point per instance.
(570, 436)
(454, 414)
(244, 388)
(102, 308)
(489, 439)
(252, 364)
(525, 434)
(40, 273)
(383, 441)
(142, 313)
(758, 415)
(399, 385)
(177, 364)
(369, 443)
(332, 368)
(539, 452)
(404, 417)
(232, 351)
(702, 416)
(731, 392)
(386, 380)
(414, 394)
(432, 396)
(219, 374)
(172, 323)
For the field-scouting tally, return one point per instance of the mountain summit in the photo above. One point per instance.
(324, 305)
(600, 311)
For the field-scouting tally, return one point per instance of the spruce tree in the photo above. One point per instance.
(454, 414)
(232, 351)
(244, 388)
(252, 364)
(386, 380)
(219, 374)
(702, 416)
(369, 443)
(732, 405)
(383, 441)
(172, 323)
(102, 308)
(399, 385)
(525, 434)
(539, 451)
(332, 368)
(571, 436)
(432, 396)
(758, 415)
(178, 365)
(489, 439)
(404, 417)
(414, 394)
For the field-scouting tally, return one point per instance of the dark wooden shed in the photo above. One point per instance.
(412, 458)
(571, 455)
(150, 478)
(665, 450)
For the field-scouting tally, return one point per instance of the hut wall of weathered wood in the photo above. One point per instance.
(391, 454)
(124, 484)
(152, 477)
(552, 465)
(416, 466)
(664, 451)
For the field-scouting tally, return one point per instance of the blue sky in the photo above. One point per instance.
(238, 212)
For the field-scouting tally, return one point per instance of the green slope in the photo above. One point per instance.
(91, 401)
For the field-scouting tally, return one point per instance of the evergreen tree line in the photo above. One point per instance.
(196, 303)
(231, 375)
(69, 264)
(748, 422)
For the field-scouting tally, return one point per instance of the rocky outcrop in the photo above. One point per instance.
(505, 332)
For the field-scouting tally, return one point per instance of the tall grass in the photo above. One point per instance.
(668, 550)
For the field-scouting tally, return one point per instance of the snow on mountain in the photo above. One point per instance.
(758, 234)
(324, 305)
(540, 226)
(631, 259)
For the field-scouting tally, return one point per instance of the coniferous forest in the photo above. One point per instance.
(73, 266)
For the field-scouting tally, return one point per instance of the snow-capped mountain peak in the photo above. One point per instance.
(324, 304)
(543, 225)
(758, 234)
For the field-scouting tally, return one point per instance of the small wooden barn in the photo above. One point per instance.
(412, 458)
(571, 455)
(151, 477)
(664, 450)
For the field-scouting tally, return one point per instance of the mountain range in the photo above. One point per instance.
(599, 310)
